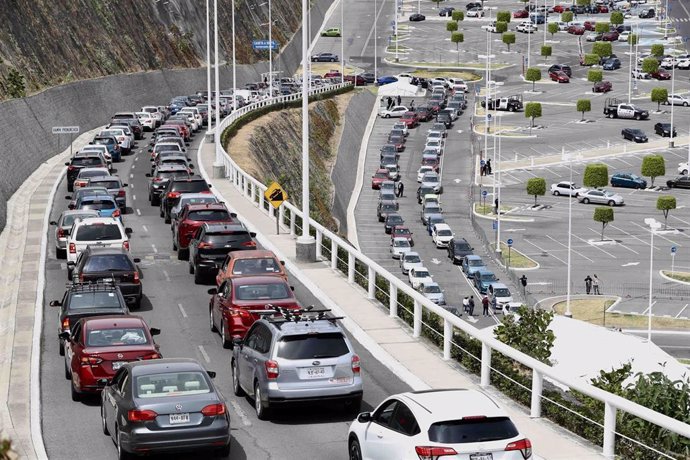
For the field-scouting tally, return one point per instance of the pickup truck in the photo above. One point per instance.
(613, 108)
(510, 103)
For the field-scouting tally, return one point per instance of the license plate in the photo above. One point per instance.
(315, 372)
(177, 419)
(118, 364)
(481, 456)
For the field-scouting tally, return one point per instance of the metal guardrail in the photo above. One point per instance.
(253, 189)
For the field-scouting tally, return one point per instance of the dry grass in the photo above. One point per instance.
(592, 310)
(680, 276)
(467, 76)
(517, 259)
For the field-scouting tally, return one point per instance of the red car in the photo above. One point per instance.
(559, 76)
(661, 74)
(425, 113)
(99, 345)
(193, 216)
(576, 30)
(603, 9)
(182, 126)
(233, 303)
(433, 162)
(360, 81)
(560, 8)
(332, 74)
(400, 231)
(521, 14)
(590, 25)
(602, 87)
(380, 176)
(398, 141)
(610, 36)
(410, 119)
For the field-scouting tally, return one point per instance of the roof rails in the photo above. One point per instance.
(289, 315)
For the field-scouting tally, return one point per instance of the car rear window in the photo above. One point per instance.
(84, 173)
(255, 266)
(171, 384)
(190, 186)
(104, 141)
(107, 183)
(82, 300)
(97, 205)
(462, 246)
(86, 161)
(239, 236)
(329, 345)
(481, 429)
(271, 291)
(171, 174)
(475, 262)
(207, 215)
(108, 262)
(116, 337)
(98, 232)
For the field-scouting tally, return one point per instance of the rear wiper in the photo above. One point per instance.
(323, 356)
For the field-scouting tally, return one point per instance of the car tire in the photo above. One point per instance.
(637, 117)
(60, 253)
(104, 425)
(670, 185)
(121, 453)
(684, 172)
(61, 348)
(154, 201)
(191, 268)
(585, 200)
(611, 203)
(223, 452)
(211, 324)
(557, 193)
(226, 344)
(262, 411)
(236, 388)
(388, 115)
(76, 397)
(182, 254)
(354, 450)
(198, 279)
(160, 212)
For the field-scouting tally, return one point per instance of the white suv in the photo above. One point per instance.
(448, 424)
(106, 232)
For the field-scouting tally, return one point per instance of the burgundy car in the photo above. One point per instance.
(410, 119)
(193, 216)
(521, 14)
(559, 76)
(380, 176)
(576, 30)
(401, 231)
(661, 74)
(433, 162)
(602, 87)
(397, 140)
(357, 80)
(425, 113)
(610, 36)
(590, 25)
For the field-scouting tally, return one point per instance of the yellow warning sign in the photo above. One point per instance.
(275, 195)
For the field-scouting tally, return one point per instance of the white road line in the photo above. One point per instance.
(647, 309)
(131, 185)
(594, 246)
(137, 158)
(134, 197)
(138, 212)
(154, 248)
(598, 232)
(146, 229)
(166, 275)
(682, 310)
(204, 354)
(545, 251)
(131, 175)
(134, 166)
(184, 313)
(240, 413)
(631, 235)
(566, 246)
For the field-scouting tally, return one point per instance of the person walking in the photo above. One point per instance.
(496, 206)
(493, 303)
(595, 285)
(487, 167)
(482, 170)
(485, 306)
(390, 103)
(412, 104)
(466, 304)
(588, 284)
(401, 189)
(471, 305)
(399, 100)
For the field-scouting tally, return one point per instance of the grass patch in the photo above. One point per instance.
(467, 76)
(488, 209)
(680, 276)
(517, 259)
(684, 361)
(391, 48)
(593, 310)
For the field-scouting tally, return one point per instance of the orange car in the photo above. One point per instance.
(250, 263)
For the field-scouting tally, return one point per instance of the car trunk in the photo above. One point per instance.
(115, 357)
(308, 361)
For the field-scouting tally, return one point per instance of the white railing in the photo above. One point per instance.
(253, 190)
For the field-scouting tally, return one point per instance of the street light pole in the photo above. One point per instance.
(673, 86)
(666, 21)
(529, 35)
(497, 184)
(569, 313)
(419, 6)
(637, 48)
(216, 132)
(342, 46)
(630, 74)
(653, 225)
(208, 63)
(395, 15)
(270, 51)
(234, 68)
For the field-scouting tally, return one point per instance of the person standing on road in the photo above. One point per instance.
(493, 303)
(485, 306)
(496, 206)
(595, 285)
(466, 304)
(487, 167)
(471, 305)
(588, 284)
(399, 99)
(389, 103)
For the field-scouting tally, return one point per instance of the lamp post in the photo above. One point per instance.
(216, 132)
(666, 21)
(653, 226)
(497, 184)
(375, 39)
(208, 63)
(673, 86)
(630, 74)
(569, 313)
(234, 68)
(637, 48)
(419, 6)
(270, 51)
(342, 46)
(529, 35)
(395, 15)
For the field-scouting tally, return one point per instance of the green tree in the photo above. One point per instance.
(659, 95)
(595, 75)
(16, 87)
(546, 51)
(601, 27)
(653, 166)
(617, 18)
(536, 186)
(501, 27)
(530, 334)
(632, 39)
(650, 65)
(552, 28)
(657, 50)
(596, 175)
(508, 38)
(591, 59)
(584, 2)
(532, 111)
(458, 15)
(665, 203)
(503, 16)
(567, 16)
(533, 74)
(451, 26)
(602, 49)
(457, 38)
(604, 215)
(584, 105)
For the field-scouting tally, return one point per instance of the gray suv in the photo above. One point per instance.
(300, 356)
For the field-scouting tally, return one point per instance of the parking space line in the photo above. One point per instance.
(597, 232)
(647, 309)
(623, 161)
(656, 234)
(240, 413)
(153, 246)
(134, 197)
(631, 235)
(146, 229)
(184, 313)
(546, 252)
(166, 276)
(138, 212)
(594, 246)
(682, 310)
(204, 354)
(566, 246)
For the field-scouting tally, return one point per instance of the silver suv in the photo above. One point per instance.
(301, 356)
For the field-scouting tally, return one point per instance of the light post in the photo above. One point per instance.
(419, 6)
(375, 39)
(497, 183)
(569, 313)
(234, 68)
(270, 51)
(637, 48)
(395, 14)
(529, 35)
(653, 226)
(666, 21)
(342, 46)
(673, 103)
(631, 66)
(208, 64)
(216, 131)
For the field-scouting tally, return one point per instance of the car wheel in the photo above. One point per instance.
(388, 115)
(191, 268)
(68, 371)
(61, 348)
(182, 254)
(155, 201)
(354, 449)
(198, 279)
(167, 219)
(224, 451)
(75, 394)
(684, 172)
(611, 203)
(227, 344)
(60, 253)
(104, 425)
(670, 185)
(261, 410)
(557, 193)
(121, 453)
(210, 321)
(585, 201)
(637, 117)
(236, 388)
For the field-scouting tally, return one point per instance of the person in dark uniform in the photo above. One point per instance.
(471, 302)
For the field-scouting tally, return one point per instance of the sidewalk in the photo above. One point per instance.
(386, 338)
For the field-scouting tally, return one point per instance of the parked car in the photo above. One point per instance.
(446, 11)
(392, 220)
(559, 77)
(386, 80)
(679, 182)
(417, 17)
(664, 129)
(628, 180)
(458, 248)
(331, 32)
(562, 68)
(399, 246)
(600, 196)
(471, 263)
(418, 276)
(401, 231)
(325, 57)
(394, 112)
(634, 134)
(603, 86)
(612, 64)
(677, 99)
(211, 242)
(611, 36)
(409, 261)
(661, 74)
(567, 188)
(482, 279)
(433, 292)
(244, 262)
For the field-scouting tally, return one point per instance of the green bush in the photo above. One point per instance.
(546, 51)
(451, 26)
(552, 28)
(617, 18)
(533, 74)
(501, 27)
(458, 15)
(650, 65)
(632, 39)
(665, 203)
(591, 59)
(16, 86)
(531, 334)
(584, 2)
(659, 95)
(584, 105)
(508, 38)
(536, 186)
(457, 38)
(595, 75)
(602, 49)
(603, 214)
(503, 16)
(602, 27)
(567, 16)
(657, 50)
(653, 166)
(596, 175)
(532, 111)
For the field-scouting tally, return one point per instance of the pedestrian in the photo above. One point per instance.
(595, 285)
(412, 104)
(389, 103)
(401, 189)
(399, 100)
(488, 167)
(485, 306)
(482, 170)
(491, 290)
(466, 304)
(496, 206)
(493, 302)
(471, 305)
(588, 284)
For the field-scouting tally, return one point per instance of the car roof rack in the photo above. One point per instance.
(99, 284)
(290, 315)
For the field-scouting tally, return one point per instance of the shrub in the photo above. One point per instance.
(650, 65)
(552, 28)
(457, 38)
(584, 105)
(603, 214)
(451, 26)
(458, 15)
(596, 175)
(659, 95)
(501, 27)
(657, 50)
(546, 51)
(617, 18)
(531, 334)
(508, 38)
(532, 111)
(591, 59)
(503, 16)
(533, 74)
(653, 166)
(602, 27)
(567, 16)
(595, 75)
(665, 203)
(536, 186)
(602, 49)
(16, 86)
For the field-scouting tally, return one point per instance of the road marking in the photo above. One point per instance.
(138, 212)
(137, 158)
(630, 234)
(184, 313)
(630, 264)
(131, 185)
(546, 252)
(131, 176)
(154, 248)
(166, 275)
(435, 261)
(594, 246)
(647, 309)
(566, 246)
(146, 229)
(204, 354)
(686, 306)
(515, 230)
(240, 413)
(134, 166)
(134, 197)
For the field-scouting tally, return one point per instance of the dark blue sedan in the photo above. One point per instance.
(386, 80)
(628, 180)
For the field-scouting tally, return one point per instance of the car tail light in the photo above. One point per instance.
(173, 195)
(90, 360)
(81, 277)
(213, 409)
(272, 370)
(151, 356)
(121, 193)
(60, 233)
(135, 278)
(65, 324)
(72, 248)
(523, 445)
(158, 179)
(433, 452)
(125, 245)
(71, 168)
(136, 415)
(356, 364)
(249, 244)
(116, 213)
(204, 245)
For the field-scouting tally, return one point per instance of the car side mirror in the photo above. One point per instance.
(233, 214)
(155, 331)
(191, 165)
(211, 374)
(70, 207)
(210, 185)
(128, 230)
(55, 303)
(282, 262)
(71, 264)
(148, 174)
(125, 185)
(364, 417)
(137, 260)
(213, 291)
(64, 335)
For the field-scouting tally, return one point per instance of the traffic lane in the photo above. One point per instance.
(675, 343)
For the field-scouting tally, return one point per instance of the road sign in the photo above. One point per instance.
(484, 192)
(477, 89)
(494, 224)
(275, 195)
(482, 163)
(65, 129)
(510, 241)
(673, 249)
(264, 44)
(488, 116)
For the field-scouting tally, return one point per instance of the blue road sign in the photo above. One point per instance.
(510, 241)
(488, 116)
(495, 225)
(673, 249)
(264, 44)
(482, 162)
(484, 192)
(477, 89)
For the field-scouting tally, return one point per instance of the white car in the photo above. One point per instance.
(419, 275)
(434, 144)
(393, 172)
(433, 292)
(195, 112)
(683, 63)
(395, 112)
(683, 169)
(526, 27)
(409, 261)
(432, 180)
(567, 188)
(399, 247)
(623, 36)
(677, 99)
(434, 135)
(459, 84)
(502, 294)
(441, 235)
(442, 81)
(123, 140)
(592, 37)
(450, 424)
(668, 62)
(491, 27)
(640, 75)
(423, 170)
(147, 121)
(155, 113)
(402, 127)
(475, 13)
(102, 232)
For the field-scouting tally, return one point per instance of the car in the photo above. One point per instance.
(427, 210)
(677, 99)
(475, 13)
(425, 113)
(603, 86)
(590, 25)
(628, 180)
(96, 347)
(668, 62)
(398, 140)
(379, 176)
(393, 171)
(95, 264)
(433, 292)
(446, 11)
(432, 162)
(394, 112)
(624, 36)
(63, 226)
(98, 231)
(526, 27)
(159, 180)
(576, 30)
(401, 231)
(244, 263)
(325, 57)
(100, 150)
(441, 234)
(410, 119)
(193, 216)
(646, 13)
(165, 406)
(417, 17)
(385, 80)
(82, 178)
(482, 279)
(399, 246)
(501, 293)
(409, 261)
(664, 129)
(471, 5)
(115, 187)
(82, 192)
(594, 37)
(384, 208)
(433, 181)
(105, 205)
(561, 8)
(567, 188)
(521, 14)
(562, 68)
(123, 140)
(86, 300)
(640, 75)
(211, 242)
(634, 134)
(438, 128)
(175, 188)
(679, 182)
(401, 127)
(559, 77)
(600, 196)
(435, 145)
(393, 219)
(418, 276)
(661, 74)
(471, 264)
(438, 423)
(112, 144)
(612, 64)
(331, 32)
(611, 36)
(387, 187)
(303, 356)
(458, 248)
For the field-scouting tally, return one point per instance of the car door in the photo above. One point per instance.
(389, 434)
(247, 359)
(598, 197)
(218, 299)
(684, 182)
(72, 347)
(109, 399)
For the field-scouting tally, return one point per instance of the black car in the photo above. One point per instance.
(389, 149)
(417, 17)
(604, 59)
(160, 178)
(473, 5)
(563, 68)
(392, 219)
(82, 161)
(176, 187)
(369, 77)
(646, 14)
(446, 11)
(634, 134)
(664, 130)
(211, 243)
(446, 118)
(325, 57)
(131, 120)
(458, 248)
(87, 299)
(679, 182)
(384, 208)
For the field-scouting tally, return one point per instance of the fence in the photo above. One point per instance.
(431, 320)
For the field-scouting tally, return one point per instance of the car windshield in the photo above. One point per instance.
(445, 233)
(501, 292)
(68, 220)
(207, 215)
(475, 263)
(119, 337)
(462, 246)
(172, 384)
(98, 232)
(109, 263)
(313, 346)
(402, 231)
(430, 179)
(94, 173)
(381, 175)
(432, 209)
(433, 289)
(104, 299)
(97, 205)
(255, 266)
(401, 243)
(412, 259)
(607, 193)
(395, 220)
(421, 274)
(471, 430)
(86, 161)
(178, 173)
(271, 291)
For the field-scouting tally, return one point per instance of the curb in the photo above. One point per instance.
(666, 277)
